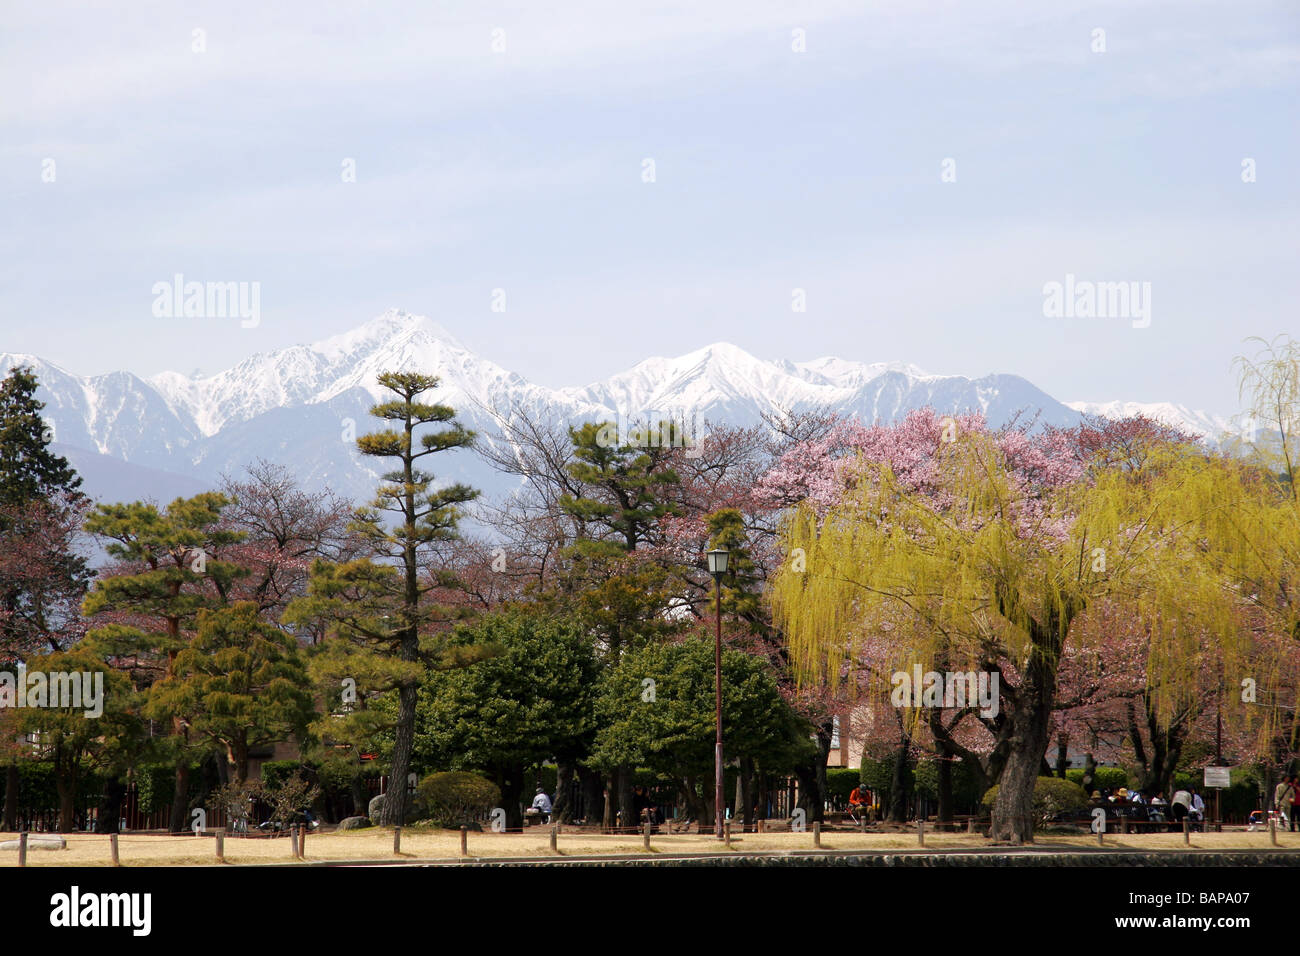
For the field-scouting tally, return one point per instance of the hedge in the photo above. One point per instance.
(1053, 797)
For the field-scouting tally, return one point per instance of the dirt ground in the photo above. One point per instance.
(86, 849)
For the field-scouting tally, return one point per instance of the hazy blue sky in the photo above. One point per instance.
(521, 169)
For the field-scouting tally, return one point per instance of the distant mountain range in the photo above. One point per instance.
(172, 435)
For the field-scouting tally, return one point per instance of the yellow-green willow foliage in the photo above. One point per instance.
(1271, 382)
(980, 568)
(1251, 535)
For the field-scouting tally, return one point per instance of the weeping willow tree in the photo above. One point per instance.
(1253, 517)
(1271, 382)
(982, 568)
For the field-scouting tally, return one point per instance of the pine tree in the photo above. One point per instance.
(29, 471)
(625, 485)
(240, 683)
(170, 566)
(42, 577)
(383, 608)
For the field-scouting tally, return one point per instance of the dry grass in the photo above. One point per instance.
(377, 844)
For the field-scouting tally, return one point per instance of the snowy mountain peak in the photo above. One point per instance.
(1195, 421)
(292, 405)
(382, 331)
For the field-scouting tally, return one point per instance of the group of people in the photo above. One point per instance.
(1135, 805)
(643, 806)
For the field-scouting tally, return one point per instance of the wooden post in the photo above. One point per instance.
(555, 829)
(221, 844)
(1101, 838)
(1187, 831)
(112, 843)
(1123, 824)
(645, 840)
(920, 832)
(293, 841)
(22, 848)
(760, 826)
(970, 825)
(464, 840)
(726, 835)
(1272, 829)
(302, 842)
(397, 840)
(817, 834)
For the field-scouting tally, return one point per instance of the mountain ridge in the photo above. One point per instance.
(302, 404)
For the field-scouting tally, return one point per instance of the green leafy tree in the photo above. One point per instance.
(386, 607)
(742, 585)
(74, 738)
(241, 683)
(668, 726)
(614, 577)
(530, 703)
(169, 567)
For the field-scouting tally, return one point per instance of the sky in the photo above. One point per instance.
(919, 170)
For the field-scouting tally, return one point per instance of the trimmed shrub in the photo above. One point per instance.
(276, 772)
(1053, 798)
(1103, 778)
(840, 782)
(456, 797)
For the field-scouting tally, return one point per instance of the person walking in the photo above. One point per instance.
(1282, 798)
(1180, 806)
(1295, 802)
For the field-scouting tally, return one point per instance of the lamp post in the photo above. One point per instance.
(718, 567)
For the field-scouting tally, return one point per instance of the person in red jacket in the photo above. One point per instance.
(858, 801)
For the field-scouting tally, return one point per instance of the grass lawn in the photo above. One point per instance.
(421, 844)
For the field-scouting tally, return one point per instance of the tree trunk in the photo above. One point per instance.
(396, 802)
(625, 804)
(946, 756)
(746, 792)
(608, 798)
(1062, 753)
(1031, 717)
(1013, 818)
(1089, 772)
(593, 808)
(696, 808)
(511, 782)
(65, 782)
(180, 798)
(562, 805)
(12, 784)
(108, 820)
(898, 782)
(360, 799)
(945, 811)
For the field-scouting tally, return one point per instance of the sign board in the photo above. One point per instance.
(1217, 777)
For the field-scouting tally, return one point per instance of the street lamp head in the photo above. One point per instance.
(718, 561)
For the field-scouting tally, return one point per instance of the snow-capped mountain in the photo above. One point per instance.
(1209, 427)
(304, 405)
